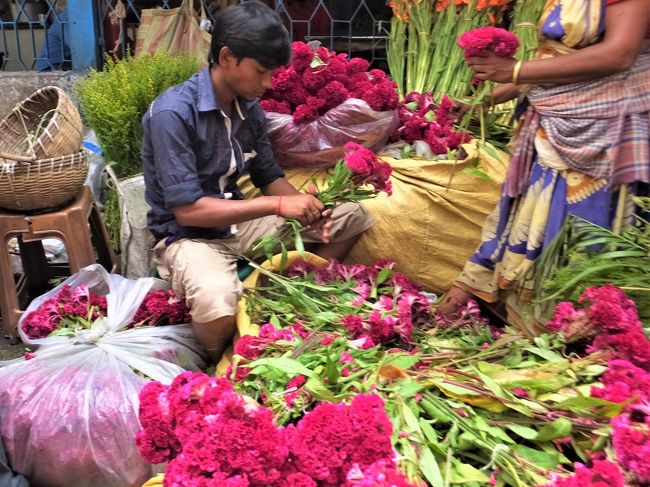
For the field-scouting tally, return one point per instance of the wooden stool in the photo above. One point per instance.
(82, 230)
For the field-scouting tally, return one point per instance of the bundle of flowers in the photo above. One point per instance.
(320, 94)
(360, 175)
(422, 119)
(316, 82)
(70, 310)
(373, 304)
(606, 321)
(494, 39)
(213, 436)
(87, 373)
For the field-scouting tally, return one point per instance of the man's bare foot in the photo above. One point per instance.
(455, 298)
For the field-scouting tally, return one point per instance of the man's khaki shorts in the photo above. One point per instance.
(205, 271)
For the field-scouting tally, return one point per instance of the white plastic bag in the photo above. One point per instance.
(69, 416)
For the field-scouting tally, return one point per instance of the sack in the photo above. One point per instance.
(70, 415)
(429, 230)
(136, 241)
(175, 31)
(320, 143)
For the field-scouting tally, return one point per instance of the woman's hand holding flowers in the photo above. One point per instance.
(488, 66)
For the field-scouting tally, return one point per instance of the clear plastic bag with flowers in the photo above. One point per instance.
(69, 415)
(324, 100)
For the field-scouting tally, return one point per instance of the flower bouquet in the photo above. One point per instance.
(323, 100)
(69, 413)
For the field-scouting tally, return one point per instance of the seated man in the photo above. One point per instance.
(199, 137)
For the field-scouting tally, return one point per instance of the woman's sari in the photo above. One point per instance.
(577, 145)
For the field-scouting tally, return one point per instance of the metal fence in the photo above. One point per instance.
(35, 34)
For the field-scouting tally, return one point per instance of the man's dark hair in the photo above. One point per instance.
(251, 29)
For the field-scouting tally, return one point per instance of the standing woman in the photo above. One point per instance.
(582, 147)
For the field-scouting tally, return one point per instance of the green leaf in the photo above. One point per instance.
(430, 469)
(490, 151)
(523, 431)
(401, 360)
(463, 473)
(320, 392)
(593, 405)
(384, 274)
(410, 419)
(545, 460)
(287, 365)
(559, 428)
(472, 171)
(407, 388)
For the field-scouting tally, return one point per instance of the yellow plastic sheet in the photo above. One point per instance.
(428, 229)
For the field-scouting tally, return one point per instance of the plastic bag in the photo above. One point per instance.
(319, 144)
(70, 415)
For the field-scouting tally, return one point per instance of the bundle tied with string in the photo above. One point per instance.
(42, 164)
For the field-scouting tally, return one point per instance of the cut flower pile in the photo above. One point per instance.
(316, 82)
(463, 403)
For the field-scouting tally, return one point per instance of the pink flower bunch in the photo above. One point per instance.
(161, 307)
(316, 82)
(632, 446)
(379, 474)
(68, 303)
(251, 347)
(608, 317)
(495, 39)
(213, 436)
(603, 473)
(366, 168)
(397, 308)
(421, 119)
(334, 439)
(623, 381)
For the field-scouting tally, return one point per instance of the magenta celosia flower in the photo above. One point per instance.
(334, 93)
(632, 346)
(328, 442)
(495, 39)
(357, 65)
(603, 473)
(623, 381)
(632, 446)
(308, 112)
(270, 105)
(161, 308)
(313, 79)
(301, 56)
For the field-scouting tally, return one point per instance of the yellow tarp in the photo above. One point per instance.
(427, 229)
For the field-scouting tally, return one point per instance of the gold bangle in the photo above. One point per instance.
(515, 72)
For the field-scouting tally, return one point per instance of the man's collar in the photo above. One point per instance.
(208, 99)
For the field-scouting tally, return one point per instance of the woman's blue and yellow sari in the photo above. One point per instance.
(576, 147)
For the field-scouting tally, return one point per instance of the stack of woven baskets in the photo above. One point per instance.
(42, 164)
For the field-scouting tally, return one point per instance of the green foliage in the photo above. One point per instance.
(584, 254)
(115, 99)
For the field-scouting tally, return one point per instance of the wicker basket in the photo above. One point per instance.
(44, 125)
(44, 183)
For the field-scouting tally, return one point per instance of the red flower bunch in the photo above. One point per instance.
(161, 307)
(316, 82)
(495, 39)
(351, 177)
(603, 473)
(421, 119)
(334, 439)
(72, 307)
(608, 317)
